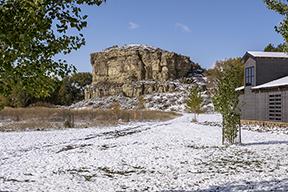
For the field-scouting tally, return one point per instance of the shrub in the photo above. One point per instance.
(194, 102)
(141, 102)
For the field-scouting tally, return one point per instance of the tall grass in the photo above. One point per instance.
(42, 117)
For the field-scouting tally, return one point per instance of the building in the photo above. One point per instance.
(264, 97)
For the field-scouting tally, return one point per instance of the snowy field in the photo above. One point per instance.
(172, 156)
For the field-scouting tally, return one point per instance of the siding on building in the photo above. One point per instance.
(255, 105)
(269, 69)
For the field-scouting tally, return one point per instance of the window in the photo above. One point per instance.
(249, 76)
(275, 107)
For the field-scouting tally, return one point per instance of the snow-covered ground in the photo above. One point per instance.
(172, 156)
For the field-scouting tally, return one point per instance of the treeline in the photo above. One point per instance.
(66, 91)
(272, 48)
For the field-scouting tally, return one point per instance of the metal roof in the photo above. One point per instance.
(276, 83)
(262, 54)
(268, 54)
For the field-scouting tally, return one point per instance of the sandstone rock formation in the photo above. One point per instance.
(135, 70)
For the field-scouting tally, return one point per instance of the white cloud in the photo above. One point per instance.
(133, 25)
(183, 27)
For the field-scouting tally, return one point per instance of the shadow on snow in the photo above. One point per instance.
(266, 143)
(263, 186)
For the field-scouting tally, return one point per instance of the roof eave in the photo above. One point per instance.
(247, 56)
(270, 87)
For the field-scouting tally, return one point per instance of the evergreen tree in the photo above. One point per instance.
(194, 102)
(226, 100)
(271, 48)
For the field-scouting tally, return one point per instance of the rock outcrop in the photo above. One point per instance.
(135, 70)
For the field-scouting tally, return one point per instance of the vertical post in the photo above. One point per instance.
(223, 131)
(223, 137)
(240, 133)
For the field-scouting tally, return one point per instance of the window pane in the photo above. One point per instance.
(249, 75)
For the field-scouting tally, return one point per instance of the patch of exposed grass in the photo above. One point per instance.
(16, 180)
(71, 147)
(112, 173)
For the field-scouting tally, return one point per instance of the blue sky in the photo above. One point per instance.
(205, 30)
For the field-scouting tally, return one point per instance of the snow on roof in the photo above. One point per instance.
(276, 83)
(239, 88)
(268, 54)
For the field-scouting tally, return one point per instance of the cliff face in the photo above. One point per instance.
(136, 70)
